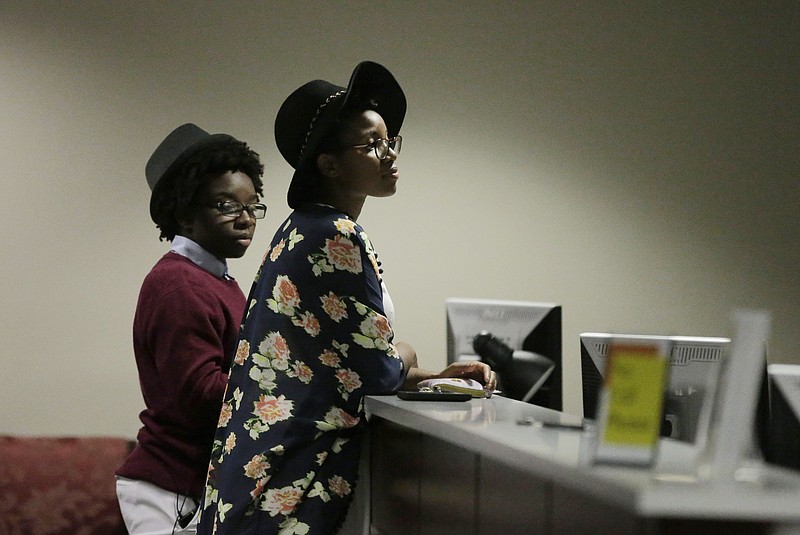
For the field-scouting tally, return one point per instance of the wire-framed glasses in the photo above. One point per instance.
(382, 146)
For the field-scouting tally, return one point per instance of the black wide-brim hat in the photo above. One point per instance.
(307, 115)
(176, 148)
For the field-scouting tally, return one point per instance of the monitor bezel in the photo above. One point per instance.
(536, 313)
(592, 366)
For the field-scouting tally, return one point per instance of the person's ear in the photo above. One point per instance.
(328, 165)
(186, 224)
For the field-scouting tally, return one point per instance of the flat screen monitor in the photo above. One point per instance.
(694, 365)
(781, 445)
(523, 326)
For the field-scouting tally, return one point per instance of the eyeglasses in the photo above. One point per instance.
(234, 209)
(382, 146)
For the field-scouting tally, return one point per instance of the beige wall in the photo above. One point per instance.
(638, 165)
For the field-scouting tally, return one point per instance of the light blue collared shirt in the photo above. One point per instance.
(194, 252)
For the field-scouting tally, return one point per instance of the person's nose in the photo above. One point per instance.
(245, 219)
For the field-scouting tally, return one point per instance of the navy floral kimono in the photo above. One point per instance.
(315, 340)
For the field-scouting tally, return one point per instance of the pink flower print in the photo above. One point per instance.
(259, 488)
(277, 250)
(339, 486)
(343, 254)
(308, 322)
(376, 326)
(382, 327)
(334, 307)
(282, 501)
(271, 409)
(345, 226)
(329, 358)
(375, 332)
(242, 352)
(321, 457)
(285, 296)
(349, 379)
(225, 414)
(302, 372)
(230, 442)
(257, 467)
(275, 348)
(340, 418)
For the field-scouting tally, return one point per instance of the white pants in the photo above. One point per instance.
(151, 510)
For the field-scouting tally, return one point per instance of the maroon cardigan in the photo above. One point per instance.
(185, 333)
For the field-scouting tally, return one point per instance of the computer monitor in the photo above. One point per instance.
(523, 326)
(694, 366)
(781, 443)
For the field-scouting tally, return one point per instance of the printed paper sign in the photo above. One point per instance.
(631, 401)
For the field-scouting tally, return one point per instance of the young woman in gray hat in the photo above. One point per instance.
(205, 200)
(317, 336)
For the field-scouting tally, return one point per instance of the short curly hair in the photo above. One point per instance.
(174, 199)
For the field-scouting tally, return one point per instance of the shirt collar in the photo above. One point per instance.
(205, 260)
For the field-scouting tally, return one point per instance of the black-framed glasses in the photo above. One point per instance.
(382, 146)
(256, 210)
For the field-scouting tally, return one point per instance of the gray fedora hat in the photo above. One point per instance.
(173, 152)
(307, 115)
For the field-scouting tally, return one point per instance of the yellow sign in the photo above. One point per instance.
(635, 380)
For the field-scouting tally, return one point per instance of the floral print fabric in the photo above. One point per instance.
(314, 342)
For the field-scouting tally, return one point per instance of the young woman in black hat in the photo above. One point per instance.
(317, 336)
(205, 200)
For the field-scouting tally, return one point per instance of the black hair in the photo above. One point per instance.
(175, 198)
(332, 143)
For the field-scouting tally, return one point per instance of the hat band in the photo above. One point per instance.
(328, 100)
